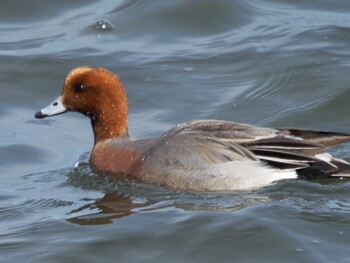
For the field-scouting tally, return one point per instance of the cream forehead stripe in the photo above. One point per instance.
(79, 70)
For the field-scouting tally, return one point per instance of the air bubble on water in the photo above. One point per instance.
(103, 24)
(188, 69)
(299, 250)
(325, 37)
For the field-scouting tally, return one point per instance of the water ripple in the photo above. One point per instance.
(263, 62)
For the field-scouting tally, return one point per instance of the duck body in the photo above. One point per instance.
(203, 155)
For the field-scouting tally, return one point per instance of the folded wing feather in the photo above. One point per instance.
(208, 142)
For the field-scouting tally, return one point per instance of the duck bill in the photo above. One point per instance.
(55, 108)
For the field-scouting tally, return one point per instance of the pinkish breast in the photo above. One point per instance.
(121, 161)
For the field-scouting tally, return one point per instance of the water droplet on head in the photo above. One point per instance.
(103, 24)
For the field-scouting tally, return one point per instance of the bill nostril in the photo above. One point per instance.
(55, 103)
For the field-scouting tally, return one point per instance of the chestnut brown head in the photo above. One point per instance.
(96, 93)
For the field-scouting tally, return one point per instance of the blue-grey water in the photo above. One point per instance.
(264, 62)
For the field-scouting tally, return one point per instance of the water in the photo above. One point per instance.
(268, 63)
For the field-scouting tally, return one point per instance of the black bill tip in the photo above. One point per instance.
(40, 115)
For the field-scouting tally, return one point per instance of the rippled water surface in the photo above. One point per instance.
(270, 63)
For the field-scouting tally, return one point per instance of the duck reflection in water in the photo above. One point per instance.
(112, 206)
(126, 198)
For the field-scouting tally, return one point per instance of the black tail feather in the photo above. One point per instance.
(322, 169)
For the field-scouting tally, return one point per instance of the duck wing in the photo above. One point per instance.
(215, 141)
(189, 150)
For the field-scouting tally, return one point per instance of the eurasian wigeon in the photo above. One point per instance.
(202, 155)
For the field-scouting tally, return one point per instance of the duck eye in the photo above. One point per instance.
(79, 88)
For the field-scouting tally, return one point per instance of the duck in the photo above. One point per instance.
(199, 155)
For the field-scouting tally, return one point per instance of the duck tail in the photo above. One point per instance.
(326, 166)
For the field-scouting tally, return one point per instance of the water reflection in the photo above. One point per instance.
(117, 205)
(124, 198)
(110, 207)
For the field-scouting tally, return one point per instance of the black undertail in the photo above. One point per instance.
(316, 170)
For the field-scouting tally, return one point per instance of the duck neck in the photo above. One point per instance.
(110, 122)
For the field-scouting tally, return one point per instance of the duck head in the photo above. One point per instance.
(98, 94)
